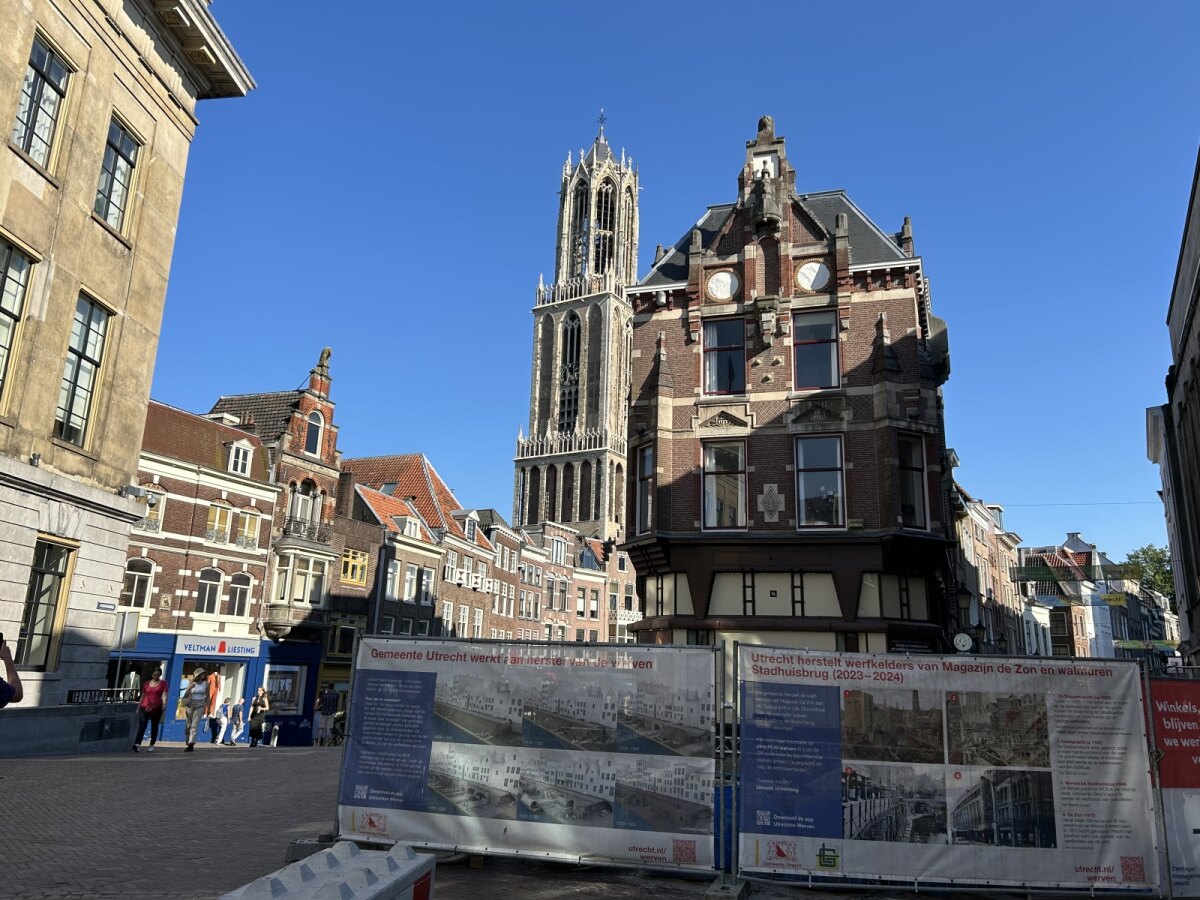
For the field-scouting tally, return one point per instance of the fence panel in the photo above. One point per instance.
(597, 753)
(945, 770)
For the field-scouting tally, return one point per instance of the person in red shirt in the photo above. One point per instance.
(150, 709)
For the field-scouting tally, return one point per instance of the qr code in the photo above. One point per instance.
(1133, 868)
(683, 851)
(762, 817)
(360, 792)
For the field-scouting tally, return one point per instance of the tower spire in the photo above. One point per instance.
(600, 121)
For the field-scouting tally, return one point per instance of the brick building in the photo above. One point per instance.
(298, 434)
(98, 101)
(788, 477)
(199, 560)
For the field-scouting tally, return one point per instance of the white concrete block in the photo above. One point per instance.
(344, 872)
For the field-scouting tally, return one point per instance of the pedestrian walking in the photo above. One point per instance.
(259, 707)
(150, 709)
(195, 705)
(214, 697)
(10, 685)
(323, 713)
(237, 720)
(223, 722)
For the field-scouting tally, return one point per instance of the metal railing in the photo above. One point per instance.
(154, 525)
(103, 695)
(300, 527)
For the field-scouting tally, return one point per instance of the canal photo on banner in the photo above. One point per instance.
(961, 769)
(569, 751)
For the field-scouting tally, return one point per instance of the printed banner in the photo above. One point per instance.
(581, 753)
(1175, 711)
(963, 769)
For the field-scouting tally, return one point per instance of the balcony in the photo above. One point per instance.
(294, 526)
(153, 525)
(216, 536)
(247, 542)
(570, 442)
(575, 288)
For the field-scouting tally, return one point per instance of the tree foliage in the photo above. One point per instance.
(1153, 567)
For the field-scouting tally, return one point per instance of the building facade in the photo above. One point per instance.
(788, 473)
(99, 103)
(197, 573)
(1181, 426)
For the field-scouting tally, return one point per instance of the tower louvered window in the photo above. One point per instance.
(580, 209)
(568, 379)
(605, 223)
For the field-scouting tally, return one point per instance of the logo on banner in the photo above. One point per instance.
(828, 857)
(782, 853)
(372, 823)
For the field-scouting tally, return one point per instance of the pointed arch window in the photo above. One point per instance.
(568, 379)
(580, 209)
(605, 223)
(312, 436)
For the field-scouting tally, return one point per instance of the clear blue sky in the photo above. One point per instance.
(390, 190)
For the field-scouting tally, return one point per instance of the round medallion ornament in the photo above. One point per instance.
(812, 276)
(963, 642)
(722, 285)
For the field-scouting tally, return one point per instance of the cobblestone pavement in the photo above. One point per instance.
(171, 825)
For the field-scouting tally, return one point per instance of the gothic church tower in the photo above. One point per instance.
(571, 467)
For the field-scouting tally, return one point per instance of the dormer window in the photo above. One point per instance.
(240, 455)
(558, 551)
(470, 529)
(312, 437)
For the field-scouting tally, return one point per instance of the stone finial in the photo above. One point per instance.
(659, 253)
(697, 240)
(322, 367)
(766, 128)
(841, 227)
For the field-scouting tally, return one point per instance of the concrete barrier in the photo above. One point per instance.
(82, 728)
(345, 872)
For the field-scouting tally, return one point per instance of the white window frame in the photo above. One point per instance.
(410, 583)
(144, 580)
(240, 456)
(206, 598)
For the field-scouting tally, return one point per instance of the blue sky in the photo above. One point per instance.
(390, 190)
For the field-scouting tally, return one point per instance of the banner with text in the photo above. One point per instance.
(601, 753)
(965, 770)
(1175, 711)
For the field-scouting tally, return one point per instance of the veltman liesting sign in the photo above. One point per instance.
(217, 646)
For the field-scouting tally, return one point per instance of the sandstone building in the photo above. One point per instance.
(98, 102)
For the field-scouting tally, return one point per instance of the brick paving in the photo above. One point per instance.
(171, 825)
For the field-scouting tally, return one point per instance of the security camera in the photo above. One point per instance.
(151, 500)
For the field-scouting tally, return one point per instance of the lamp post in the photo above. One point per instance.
(979, 633)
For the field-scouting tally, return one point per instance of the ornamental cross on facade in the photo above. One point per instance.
(770, 503)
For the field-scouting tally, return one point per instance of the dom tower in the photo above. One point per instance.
(571, 467)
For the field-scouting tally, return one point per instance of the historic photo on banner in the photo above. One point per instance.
(947, 771)
(554, 749)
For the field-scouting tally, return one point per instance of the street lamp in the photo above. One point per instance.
(1002, 644)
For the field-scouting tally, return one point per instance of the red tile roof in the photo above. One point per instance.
(387, 508)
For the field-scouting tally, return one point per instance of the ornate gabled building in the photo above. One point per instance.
(297, 431)
(788, 474)
(571, 468)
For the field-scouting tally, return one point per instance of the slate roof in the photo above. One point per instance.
(672, 269)
(415, 476)
(271, 412)
(490, 517)
(187, 437)
(868, 243)
(388, 508)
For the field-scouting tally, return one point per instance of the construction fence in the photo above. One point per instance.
(920, 770)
